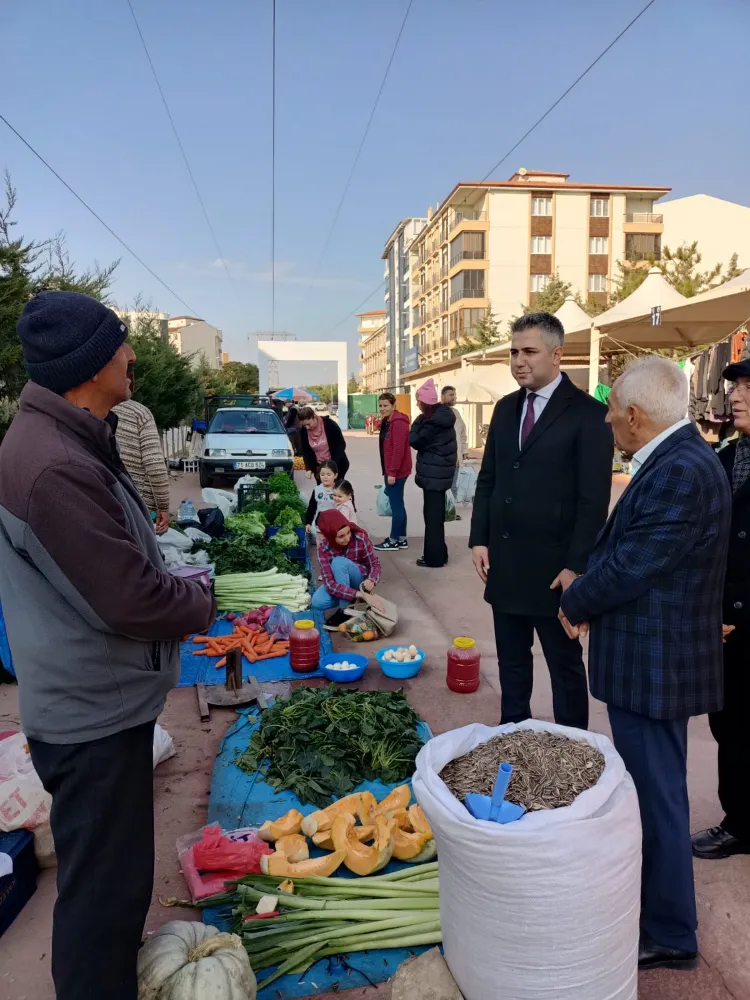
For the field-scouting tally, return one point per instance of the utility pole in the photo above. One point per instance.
(273, 365)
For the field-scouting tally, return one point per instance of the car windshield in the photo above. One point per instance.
(246, 422)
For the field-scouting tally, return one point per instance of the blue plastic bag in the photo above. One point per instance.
(383, 504)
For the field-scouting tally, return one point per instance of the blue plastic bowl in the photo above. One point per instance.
(399, 671)
(359, 665)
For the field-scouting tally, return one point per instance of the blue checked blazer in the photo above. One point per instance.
(653, 588)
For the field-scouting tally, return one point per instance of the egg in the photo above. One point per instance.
(413, 651)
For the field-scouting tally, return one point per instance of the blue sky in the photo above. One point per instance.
(667, 106)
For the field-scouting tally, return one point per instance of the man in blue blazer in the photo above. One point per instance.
(652, 596)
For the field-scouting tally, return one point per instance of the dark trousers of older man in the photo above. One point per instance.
(102, 821)
(655, 754)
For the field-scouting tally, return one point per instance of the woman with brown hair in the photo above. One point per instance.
(321, 440)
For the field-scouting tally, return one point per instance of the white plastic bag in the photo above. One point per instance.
(24, 804)
(450, 506)
(196, 535)
(245, 481)
(176, 539)
(546, 907)
(467, 484)
(163, 745)
(223, 499)
(383, 503)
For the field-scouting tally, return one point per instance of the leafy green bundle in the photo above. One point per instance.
(322, 742)
(251, 523)
(245, 554)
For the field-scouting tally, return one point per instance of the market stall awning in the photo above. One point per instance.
(297, 394)
(715, 314)
(469, 391)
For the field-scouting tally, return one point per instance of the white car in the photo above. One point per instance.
(242, 440)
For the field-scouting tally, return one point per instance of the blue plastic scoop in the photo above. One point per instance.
(494, 808)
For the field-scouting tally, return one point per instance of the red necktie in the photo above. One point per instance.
(529, 418)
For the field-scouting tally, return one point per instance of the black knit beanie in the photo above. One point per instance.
(67, 338)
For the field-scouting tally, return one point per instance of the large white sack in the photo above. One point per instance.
(546, 908)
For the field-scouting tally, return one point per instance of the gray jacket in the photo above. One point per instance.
(93, 617)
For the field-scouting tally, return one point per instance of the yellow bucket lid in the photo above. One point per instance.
(464, 642)
(304, 624)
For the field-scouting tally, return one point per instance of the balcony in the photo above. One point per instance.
(467, 293)
(444, 270)
(466, 215)
(467, 255)
(643, 222)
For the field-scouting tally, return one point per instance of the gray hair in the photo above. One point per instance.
(550, 327)
(657, 386)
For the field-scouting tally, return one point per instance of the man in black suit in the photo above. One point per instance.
(542, 497)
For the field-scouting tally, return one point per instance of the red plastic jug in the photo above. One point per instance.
(304, 647)
(463, 666)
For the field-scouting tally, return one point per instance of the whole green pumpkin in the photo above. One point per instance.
(191, 961)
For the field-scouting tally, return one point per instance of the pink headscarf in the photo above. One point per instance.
(427, 393)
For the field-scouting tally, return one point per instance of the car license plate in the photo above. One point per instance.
(249, 465)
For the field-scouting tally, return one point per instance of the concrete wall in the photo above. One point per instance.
(571, 237)
(308, 350)
(508, 244)
(721, 228)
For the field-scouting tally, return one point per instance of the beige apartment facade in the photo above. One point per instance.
(372, 351)
(498, 244)
(720, 227)
(190, 335)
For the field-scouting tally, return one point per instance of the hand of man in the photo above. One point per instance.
(573, 631)
(391, 480)
(308, 529)
(162, 522)
(563, 579)
(727, 630)
(480, 555)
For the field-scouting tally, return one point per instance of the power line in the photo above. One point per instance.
(273, 170)
(344, 193)
(354, 310)
(98, 217)
(565, 93)
(182, 149)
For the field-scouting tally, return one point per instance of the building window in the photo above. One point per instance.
(405, 320)
(467, 246)
(642, 246)
(541, 206)
(597, 282)
(599, 244)
(539, 282)
(541, 244)
(467, 285)
(600, 207)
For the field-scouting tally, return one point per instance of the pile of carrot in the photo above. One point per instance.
(254, 645)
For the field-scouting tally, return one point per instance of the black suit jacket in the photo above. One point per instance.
(737, 580)
(539, 509)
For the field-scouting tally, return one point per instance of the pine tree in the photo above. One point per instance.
(551, 297)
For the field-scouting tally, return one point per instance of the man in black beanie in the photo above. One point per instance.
(94, 622)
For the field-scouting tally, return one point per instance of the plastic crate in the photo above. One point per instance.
(17, 888)
(254, 493)
(300, 553)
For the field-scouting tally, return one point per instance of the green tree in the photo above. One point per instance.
(28, 267)
(551, 297)
(164, 379)
(241, 376)
(680, 268)
(328, 393)
(485, 333)
(733, 270)
(352, 385)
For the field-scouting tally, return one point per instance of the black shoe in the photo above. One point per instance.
(337, 618)
(457, 517)
(717, 843)
(423, 565)
(403, 543)
(654, 956)
(387, 546)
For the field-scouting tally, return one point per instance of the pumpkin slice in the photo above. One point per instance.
(279, 865)
(361, 858)
(362, 833)
(287, 825)
(418, 820)
(428, 852)
(393, 804)
(407, 845)
(294, 846)
(322, 819)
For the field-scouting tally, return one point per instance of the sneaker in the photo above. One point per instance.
(387, 546)
(337, 618)
(403, 543)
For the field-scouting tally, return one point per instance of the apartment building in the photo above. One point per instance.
(498, 243)
(150, 318)
(722, 228)
(397, 275)
(190, 335)
(372, 350)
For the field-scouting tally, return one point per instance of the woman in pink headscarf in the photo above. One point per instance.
(433, 438)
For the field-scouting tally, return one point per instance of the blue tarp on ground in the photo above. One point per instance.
(5, 657)
(202, 669)
(238, 800)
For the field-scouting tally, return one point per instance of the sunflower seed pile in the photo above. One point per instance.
(549, 770)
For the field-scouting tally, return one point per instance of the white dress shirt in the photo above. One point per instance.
(542, 398)
(639, 459)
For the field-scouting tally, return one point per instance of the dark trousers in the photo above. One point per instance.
(433, 508)
(102, 822)
(395, 496)
(729, 727)
(514, 636)
(655, 754)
